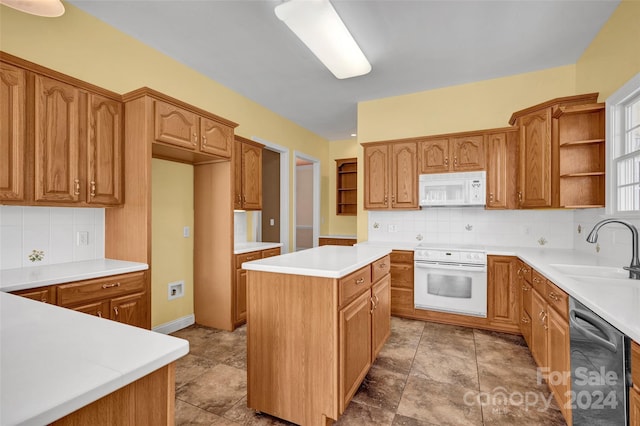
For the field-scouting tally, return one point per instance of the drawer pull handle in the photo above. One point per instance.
(77, 187)
(115, 309)
(250, 258)
(360, 280)
(536, 280)
(373, 305)
(111, 285)
(525, 320)
(554, 297)
(525, 288)
(99, 314)
(377, 301)
(204, 140)
(195, 137)
(93, 188)
(383, 265)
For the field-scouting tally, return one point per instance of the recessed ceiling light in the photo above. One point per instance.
(317, 24)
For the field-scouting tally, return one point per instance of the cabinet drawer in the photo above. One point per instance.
(380, 268)
(42, 294)
(635, 364)
(354, 284)
(525, 272)
(401, 256)
(539, 282)
(557, 298)
(402, 275)
(246, 257)
(100, 288)
(271, 252)
(401, 301)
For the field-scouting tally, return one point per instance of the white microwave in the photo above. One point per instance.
(458, 189)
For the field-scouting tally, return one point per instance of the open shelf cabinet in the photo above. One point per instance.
(581, 141)
(346, 186)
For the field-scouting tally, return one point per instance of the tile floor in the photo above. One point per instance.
(426, 374)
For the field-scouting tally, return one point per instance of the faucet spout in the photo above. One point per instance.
(634, 267)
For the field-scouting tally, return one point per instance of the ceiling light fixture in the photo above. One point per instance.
(317, 24)
(46, 8)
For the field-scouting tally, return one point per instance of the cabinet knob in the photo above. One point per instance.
(360, 280)
(93, 188)
(77, 187)
(525, 288)
(536, 280)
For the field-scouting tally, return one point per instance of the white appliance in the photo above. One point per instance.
(451, 280)
(453, 189)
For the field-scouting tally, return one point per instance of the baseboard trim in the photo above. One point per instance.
(175, 325)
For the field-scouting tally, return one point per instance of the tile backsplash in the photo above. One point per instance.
(477, 226)
(614, 240)
(53, 230)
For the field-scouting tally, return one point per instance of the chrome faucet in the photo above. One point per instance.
(634, 267)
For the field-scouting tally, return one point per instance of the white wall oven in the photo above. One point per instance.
(451, 280)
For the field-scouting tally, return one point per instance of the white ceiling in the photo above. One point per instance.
(412, 45)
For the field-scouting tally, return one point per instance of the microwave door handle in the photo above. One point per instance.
(609, 344)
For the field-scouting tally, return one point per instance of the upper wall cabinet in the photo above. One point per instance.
(390, 176)
(247, 174)
(501, 162)
(454, 154)
(12, 132)
(539, 153)
(70, 139)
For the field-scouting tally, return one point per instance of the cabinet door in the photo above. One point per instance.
(251, 177)
(381, 315)
(404, 176)
(559, 360)
(215, 138)
(434, 156)
(501, 174)
(104, 151)
(538, 329)
(12, 132)
(355, 346)
(534, 180)
(129, 309)
(634, 407)
(376, 175)
(237, 175)
(97, 309)
(240, 296)
(468, 153)
(502, 293)
(56, 119)
(176, 126)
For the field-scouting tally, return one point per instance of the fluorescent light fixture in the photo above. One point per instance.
(46, 8)
(317, 24)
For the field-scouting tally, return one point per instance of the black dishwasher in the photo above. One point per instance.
(600, 367)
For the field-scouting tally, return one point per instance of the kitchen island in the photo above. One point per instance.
(316, 320)
(65, 367)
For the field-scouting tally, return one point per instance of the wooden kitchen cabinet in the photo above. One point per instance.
(502, 292)
(453, 154)
(539, 329)
(539, 151)
(390, 176)
(45, 294)
(381, 315)
(634, 391)
(240, 282)
(187, 129)
(13, 132)
(501, 164)
(523, 274)
(329, 241)
(402, 269)
(247, 174)
(71, 152)
(123, 298)
(559, 359)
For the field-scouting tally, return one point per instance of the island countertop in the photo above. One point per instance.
(323, 261)
(56, 360)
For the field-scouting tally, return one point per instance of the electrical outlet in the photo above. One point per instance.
(82, 238)
(186, 232)
(176, 289)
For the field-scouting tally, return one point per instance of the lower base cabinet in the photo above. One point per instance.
(123, 298)
(634, 391)
(402, 283)
(240, 282)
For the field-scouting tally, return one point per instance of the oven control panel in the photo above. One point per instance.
(451, 256)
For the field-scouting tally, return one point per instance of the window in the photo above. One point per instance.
(623, 130)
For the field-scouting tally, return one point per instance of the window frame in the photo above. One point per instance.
(615, 141)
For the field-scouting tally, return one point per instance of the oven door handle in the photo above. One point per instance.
(436, 265)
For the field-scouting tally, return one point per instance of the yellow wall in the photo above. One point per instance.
(171, 252)
(473, 106)
(614, 55)
(84, 47)
(340, 225)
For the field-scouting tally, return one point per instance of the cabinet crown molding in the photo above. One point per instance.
(587, 98)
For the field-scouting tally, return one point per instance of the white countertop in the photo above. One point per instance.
(56, 360)
(38, 276)
(616, 301)
(239, 248)
(324, 261)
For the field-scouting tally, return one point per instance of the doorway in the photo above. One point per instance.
(306, 195)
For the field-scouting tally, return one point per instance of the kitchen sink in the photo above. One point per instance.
(591, 271)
